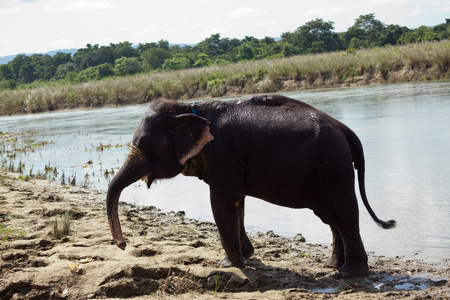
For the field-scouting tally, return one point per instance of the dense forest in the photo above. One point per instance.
(316, 36)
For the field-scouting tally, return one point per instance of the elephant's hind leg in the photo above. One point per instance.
(341, 213)
(337, 258)
(355, 255)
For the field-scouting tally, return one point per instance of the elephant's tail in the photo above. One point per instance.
(359, 163)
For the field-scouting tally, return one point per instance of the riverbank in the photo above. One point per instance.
(409, 63)
(169, 256)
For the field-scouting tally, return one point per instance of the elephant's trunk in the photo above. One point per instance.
(130, 172)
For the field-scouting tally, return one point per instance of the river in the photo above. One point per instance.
(404, 128)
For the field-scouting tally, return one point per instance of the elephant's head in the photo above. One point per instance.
(167, 137)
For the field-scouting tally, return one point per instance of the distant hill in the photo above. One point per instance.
(7, 59)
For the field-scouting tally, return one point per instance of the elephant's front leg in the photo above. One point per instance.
(226, 215)
(247, 248)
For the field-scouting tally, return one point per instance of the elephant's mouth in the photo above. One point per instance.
(148, 180)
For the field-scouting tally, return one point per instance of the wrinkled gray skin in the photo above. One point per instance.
(267, 146)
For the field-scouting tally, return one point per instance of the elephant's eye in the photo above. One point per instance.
(146, 144)
(151, 144)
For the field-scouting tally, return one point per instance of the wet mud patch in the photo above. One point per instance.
(32, 244)
(53, 212)
(25, 290)
(74, 257)
(189, 260)
(139, 280)
(146, 252)
(12, 261)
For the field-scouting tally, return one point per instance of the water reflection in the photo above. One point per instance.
(404, 128)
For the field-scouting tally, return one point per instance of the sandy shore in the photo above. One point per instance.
(169, 256)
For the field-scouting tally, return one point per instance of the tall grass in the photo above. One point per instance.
(379, 65)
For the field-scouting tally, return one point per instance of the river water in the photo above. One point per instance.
(405, 130)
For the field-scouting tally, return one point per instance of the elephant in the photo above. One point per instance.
(268, 146)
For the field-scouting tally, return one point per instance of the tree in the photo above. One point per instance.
(104, 70)
(141, 48)
(5, 72)
(44, 65)
(16, 65)
(163, 44)
(153, 58)
(244, 52)
(391, 34)
(64, 69)
(229, 47)
(127, 66)
(61, 58)
(317, 36)
(27, 72)
(211, 46)
(92, 56)
(355, 43)
(8, 84)
(443, 30)
(124, 49)
(366, 29)
(287, 49)
(268, 40)
(202, 60)
(421, 34)
(177, 62)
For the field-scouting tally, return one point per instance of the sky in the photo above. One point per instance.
(39, 26)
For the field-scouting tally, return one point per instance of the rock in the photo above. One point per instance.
(197, 244)
(299, 238)
(180, 214)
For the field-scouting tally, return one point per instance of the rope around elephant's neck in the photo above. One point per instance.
(194, 109)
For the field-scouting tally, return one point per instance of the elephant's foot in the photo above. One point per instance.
(247, 249)
(334, 262)
(354, 270)
(226, 263)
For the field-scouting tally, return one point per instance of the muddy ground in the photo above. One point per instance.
(169, 256)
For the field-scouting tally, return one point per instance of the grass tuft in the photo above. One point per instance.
(62, 228)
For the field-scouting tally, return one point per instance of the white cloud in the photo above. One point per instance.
(319, 12)
(445, 9)
(62, 44)
(9, 7)
(148, 32)
(247, 12)
(75, 5)
(9, 11)
(381, 2)
(416, 12)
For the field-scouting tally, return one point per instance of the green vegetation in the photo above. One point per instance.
(121, 74)
(216, 283)
(7, 232)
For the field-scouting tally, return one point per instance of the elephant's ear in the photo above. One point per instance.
(192, 134)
